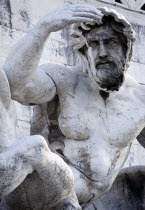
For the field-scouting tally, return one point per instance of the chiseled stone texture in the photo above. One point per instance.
(137, 64)
(16, 20)
(127, 192)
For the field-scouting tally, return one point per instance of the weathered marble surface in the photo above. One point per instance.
(91, 143)
(25, 15)
(19, 157)
(127, 192)
(32, 153)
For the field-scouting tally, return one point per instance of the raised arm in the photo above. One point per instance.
(24, 57)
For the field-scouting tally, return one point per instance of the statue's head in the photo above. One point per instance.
(106, 49)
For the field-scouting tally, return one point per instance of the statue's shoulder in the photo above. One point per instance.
(58, 72)
(130, 82)
(56, 69)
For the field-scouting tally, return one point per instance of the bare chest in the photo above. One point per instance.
(117, 120)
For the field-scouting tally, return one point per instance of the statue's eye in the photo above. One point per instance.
(93, 44)
(110, 41)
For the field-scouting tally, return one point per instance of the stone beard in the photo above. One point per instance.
(106, 55)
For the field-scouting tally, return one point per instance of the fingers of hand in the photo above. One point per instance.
(83, 8)
(87, 14)
(82, 19)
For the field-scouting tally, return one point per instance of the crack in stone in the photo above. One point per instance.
(94, 206)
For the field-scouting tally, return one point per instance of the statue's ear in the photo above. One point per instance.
(141, 137)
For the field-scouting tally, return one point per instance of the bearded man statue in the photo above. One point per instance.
(91, 112)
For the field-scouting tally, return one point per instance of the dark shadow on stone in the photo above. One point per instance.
(127, 192)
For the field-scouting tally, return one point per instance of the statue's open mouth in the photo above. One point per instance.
(103, 64)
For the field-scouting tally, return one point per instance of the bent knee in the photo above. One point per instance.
(39, 141)
(35, 142)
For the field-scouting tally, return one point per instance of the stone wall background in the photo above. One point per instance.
(18, 16)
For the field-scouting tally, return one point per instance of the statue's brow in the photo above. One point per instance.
(104, 37)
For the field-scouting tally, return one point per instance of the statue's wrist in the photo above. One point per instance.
(45, 23)
(42, 30)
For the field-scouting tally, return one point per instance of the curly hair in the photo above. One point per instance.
(116, 21)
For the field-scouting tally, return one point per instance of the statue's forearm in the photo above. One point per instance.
(25, 55)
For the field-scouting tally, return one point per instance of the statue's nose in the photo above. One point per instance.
(102, 50)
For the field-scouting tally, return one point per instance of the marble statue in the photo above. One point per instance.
(20, 157)
(91, 113)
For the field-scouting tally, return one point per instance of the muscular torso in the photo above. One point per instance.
(85, 114)
(98, 132)
(92, 135)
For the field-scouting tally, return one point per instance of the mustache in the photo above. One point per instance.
(103, 61)
(107, 60)
(116, 64)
